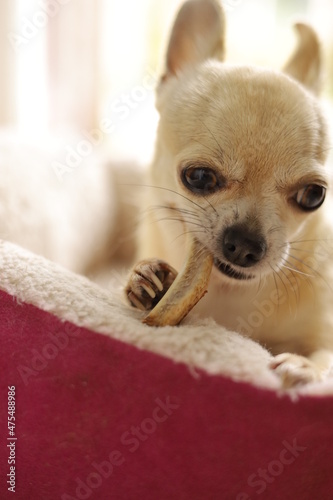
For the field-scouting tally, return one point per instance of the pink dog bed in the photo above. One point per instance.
(107, 408)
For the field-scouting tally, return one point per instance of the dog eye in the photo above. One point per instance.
(200, 180)
(311, 197)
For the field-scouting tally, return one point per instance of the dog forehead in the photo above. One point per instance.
(236, 102)
(254, 117)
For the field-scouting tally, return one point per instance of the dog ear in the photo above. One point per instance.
(305, 63)
(197, 35)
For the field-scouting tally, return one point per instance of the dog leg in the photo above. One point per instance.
(298, 370)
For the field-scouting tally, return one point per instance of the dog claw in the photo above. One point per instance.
(135, 302)
(149, 281)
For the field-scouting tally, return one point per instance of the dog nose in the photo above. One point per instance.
(243, 247)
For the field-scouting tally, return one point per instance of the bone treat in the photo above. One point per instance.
(186, 291)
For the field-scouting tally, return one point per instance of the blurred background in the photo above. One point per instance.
(91, 66)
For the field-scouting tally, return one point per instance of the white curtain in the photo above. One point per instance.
(73, 64)
(7, 64)
(64, 75)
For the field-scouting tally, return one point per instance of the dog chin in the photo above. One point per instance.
(229, 271)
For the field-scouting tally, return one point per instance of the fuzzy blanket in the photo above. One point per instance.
(94, 404)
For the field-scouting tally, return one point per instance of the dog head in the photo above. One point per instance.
(241, 149)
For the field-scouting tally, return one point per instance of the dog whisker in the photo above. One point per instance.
(295, 270)
(278, 275)
(176, 209)
(185, 233)
(290, 283)
(276, 288)
(170, 191)
(319, 275)
(211, 205)
(307, 277)
(175, 219)
(261, 285)
(291, 269)
(296, 274)
(309, 252)
(188, 199)
(182, 217)
(312, 241)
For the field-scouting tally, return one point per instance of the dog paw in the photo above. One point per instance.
(148, 282)
(295, 370)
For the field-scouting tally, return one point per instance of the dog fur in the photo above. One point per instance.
(261, 135)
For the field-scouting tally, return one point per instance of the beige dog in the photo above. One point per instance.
(239, 166)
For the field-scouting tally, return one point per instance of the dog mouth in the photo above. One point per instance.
(229, 271)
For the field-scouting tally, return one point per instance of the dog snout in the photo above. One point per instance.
(242, 246)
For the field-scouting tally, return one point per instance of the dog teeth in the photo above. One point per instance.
(186, 291)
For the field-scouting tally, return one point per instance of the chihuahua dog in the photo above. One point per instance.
(239, 166)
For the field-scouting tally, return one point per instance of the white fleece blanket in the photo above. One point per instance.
(200, 344)
(64, 222)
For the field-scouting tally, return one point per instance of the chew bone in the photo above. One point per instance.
(186, 291)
